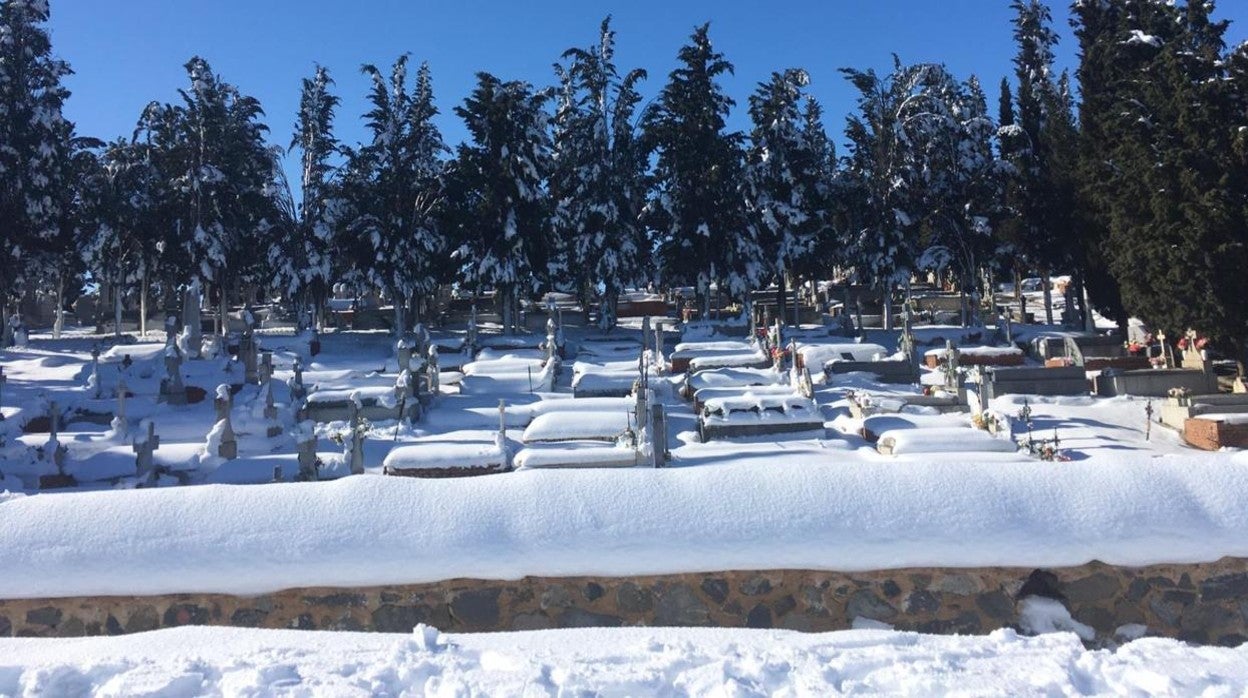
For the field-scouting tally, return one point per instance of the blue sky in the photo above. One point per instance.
(127, 53)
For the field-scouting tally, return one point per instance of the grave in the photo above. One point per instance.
(222, 435)
(862, 405)
(758, 415)
(1154, 382)
(1175, 411)
(444, 460)
(977, 356)
(145, 446)
(1097, 353)
(1062, 380)
(1214, 431)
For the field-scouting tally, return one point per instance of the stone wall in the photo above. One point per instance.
(1201, 603)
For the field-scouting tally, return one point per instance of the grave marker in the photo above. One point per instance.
(355, 455)
(224, 402)
(144, 449)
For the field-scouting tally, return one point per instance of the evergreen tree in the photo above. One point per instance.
(1044, 154)
(597, 177)
(498, 201)
(890, 140)
(35, 149)
(697, 208)
(785, 165)
(1173, 189)
(304, 262)
(393, 188)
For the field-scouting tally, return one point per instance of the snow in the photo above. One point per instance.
(818, 355)
(1038, 615)
(734, 377)
(570, 426)
(579, 455)
(978, 351)
(830, 512)
(195, 661)
(1237, 418)
(944, 440)
(436, 454)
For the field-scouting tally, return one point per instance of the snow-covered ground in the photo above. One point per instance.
(614, 662)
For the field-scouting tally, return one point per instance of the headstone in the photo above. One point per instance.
(171, 330)
(175, 391)
(94, 379)
(297, 389)
(3, 379)
(356, 444)
(247, 351)
(144, 450)
(403, 352)
(119, 424)
(500, 438)
(224, 402)
(54, 448)
(432, 369)
(273, 429)
(658, 434)
(645, 333)
(305, 448)
(266, 366)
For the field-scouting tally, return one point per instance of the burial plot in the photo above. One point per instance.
(1062, 380)
(758, 415)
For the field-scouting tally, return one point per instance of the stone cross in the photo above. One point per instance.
(143, 450)
(356, 454)
(432, 369)
(297, 389)
(223, 403)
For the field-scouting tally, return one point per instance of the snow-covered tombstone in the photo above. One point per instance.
(221, 439)
(597, 176)
(144, 447)
(497, 194)
(696, 209)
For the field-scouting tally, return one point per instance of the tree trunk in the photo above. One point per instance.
(143, 304)
(886, 298)
(59, 322)
(117, 311)
(1048, 296)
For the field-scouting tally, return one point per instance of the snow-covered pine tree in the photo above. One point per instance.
(885, 170)
(1175, 197)
(597, 176)
(497, 195)
(34, 148)
(697, 209)
(393, 189)
(305, 264)
(1043, 159)
(784, 186)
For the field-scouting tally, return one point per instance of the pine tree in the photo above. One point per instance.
(899, 120)
(785, 165)
(697, 208)
(499, 206)
(1043, 157)
(393, 189)
(35, 149)
(597, 177)
(305, 262)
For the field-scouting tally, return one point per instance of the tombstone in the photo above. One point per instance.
(658, 434)
(119, 425)
(54, 448)
(355, 454)
(305, 448)
(432, 369)
(500, 438)
(297, 389)
(953, 377)
(94, 379)
(175, 391)
(273, 429)
(472, 329)
(3, 379)
(266, 366)
(645, 333)
(193, 324)
(640, 408)
(144, 449)
(247, 354)
(224, 402)
(403, 352)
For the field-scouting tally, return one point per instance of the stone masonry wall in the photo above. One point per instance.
(1201, 603)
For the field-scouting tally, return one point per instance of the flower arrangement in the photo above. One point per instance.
(1193, 342)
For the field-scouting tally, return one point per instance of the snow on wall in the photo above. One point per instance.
(370, 530)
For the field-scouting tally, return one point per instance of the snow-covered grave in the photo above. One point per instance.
(733, 378)
(445, 459)
(863, 404)
(606, 378)
(750, 414)
(977, 356)
(716, 354)
(925, 440)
